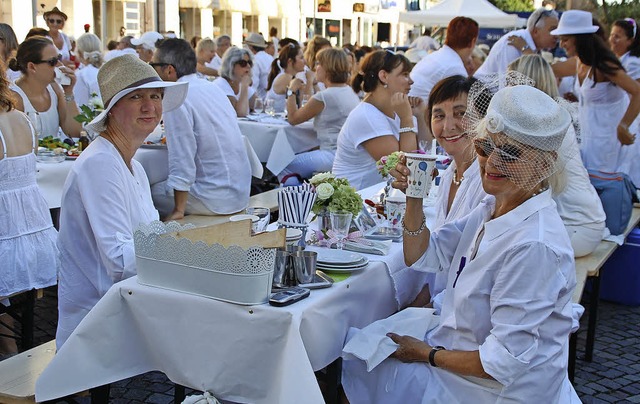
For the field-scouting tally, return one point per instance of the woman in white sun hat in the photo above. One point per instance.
(503, 332)
(107, 194)
(602, 86)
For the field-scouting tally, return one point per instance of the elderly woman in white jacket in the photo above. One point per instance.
(507, 314)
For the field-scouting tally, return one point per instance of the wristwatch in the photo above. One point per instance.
(432, 355)
(524, 48)
(289, 93)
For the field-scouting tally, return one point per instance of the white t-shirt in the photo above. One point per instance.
(86, 84)
(501, 54)
(433, 68)
(338, 104)
(352, 160)
(215, 63)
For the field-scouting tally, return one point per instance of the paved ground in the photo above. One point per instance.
(613, 376)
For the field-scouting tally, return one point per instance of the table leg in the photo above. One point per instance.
(573, 339)
(593, 315)
(26, 320)
(334, 371)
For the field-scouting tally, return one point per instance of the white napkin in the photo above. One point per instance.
(372, 345)
(377, 247)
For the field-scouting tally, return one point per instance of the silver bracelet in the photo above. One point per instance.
(416, 232)
(408, 129)
(69, 97)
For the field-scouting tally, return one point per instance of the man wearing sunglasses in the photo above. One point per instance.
(514, 44)
(209, 171)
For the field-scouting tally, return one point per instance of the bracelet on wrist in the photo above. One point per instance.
(408, 129)
(624, 125)
(69, 97)
(423, 226)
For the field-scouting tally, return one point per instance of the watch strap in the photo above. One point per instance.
(432, 355)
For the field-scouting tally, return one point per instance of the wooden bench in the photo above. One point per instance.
(19, 373)
(589, 267)
(268, 199)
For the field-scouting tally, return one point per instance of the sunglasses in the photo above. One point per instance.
(160, 64)
(244, 63)
(52, 62)
(545, 13)
(508, 153)
(55, 21)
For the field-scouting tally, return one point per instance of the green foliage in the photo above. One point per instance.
(513, 5)
(335, 194)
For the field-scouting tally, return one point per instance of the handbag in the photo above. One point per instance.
(617, 194)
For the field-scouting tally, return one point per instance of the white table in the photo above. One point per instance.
(277, 143)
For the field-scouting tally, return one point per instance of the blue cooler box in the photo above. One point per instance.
(620, 281)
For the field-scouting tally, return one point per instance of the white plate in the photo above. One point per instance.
(358, 263)
(342, 270)
(293, 234)
(328, 256)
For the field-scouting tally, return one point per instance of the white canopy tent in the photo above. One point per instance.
(485, 13)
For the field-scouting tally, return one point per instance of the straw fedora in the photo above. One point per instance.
(124, 74)
(54, 10)
(256, 40)
(575, 22)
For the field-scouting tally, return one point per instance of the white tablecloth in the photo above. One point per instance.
(257, 354)
(278, 143)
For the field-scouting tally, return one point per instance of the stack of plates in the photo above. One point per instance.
(340, 261)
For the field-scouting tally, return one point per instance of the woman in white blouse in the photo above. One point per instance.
(503, 333)
(283, 69)
(90, 55)
(328, 108)
(235, 79)
(100, 212)
(387, 119)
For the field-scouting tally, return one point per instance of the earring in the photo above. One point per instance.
(385, 85)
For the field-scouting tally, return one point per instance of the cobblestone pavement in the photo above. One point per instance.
(612, 376)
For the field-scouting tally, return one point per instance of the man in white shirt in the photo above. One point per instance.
(425, 42)
(462, 33)
(223, 42)
(146, 44)
(209, 170)
(537, 37)
(261, 63)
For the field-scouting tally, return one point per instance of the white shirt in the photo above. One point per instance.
(426, 43)
(501, 54)
(261, 67)
(47, 122)
(352, 160)
(338, 104)
(98, 217)
(227, 90)
(512, 301)
(86, 84)
(433, 68)
(207, 156)
(215, 63)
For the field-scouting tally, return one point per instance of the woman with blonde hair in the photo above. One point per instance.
(205, 51)
(329, 109)
(235, 79)
(578, 203)
(90, 55)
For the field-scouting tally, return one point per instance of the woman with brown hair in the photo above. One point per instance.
(49, 105)
(55, 20)
(386, 120)
(27, 238)
(8, 47)
(283, 69)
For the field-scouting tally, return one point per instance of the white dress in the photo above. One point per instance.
(630, 159)
(511, 302)
(28, 252)
(98, 216)
(279, 100)
(600, 109)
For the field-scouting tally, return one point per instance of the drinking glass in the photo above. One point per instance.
(36, 122)
(270, 106)
(258, 106)
(264, 214)
(340, 223)
(305, 99)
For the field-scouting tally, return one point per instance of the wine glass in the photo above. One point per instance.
(258, 106)
(305, 99)
(340, 223)
(270, 106)
(264, 214)
(36, 122)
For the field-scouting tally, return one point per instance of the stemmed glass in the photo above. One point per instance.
(258, 106)
(340, 223)
(36, 122)
(270, 107)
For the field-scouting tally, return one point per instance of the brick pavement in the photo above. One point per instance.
(613, 376)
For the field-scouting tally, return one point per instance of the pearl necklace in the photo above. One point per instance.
(539, 191)
(455, 179)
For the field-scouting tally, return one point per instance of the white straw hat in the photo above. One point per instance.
(575, 22)
(125, 74)
(256, 40)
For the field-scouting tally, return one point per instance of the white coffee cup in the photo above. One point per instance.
(421, 169)
(254, 221)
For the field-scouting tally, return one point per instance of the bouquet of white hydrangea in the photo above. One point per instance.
(335, 194)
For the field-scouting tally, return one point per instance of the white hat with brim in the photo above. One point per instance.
(575, 22)
(128, 73)
(256, 40)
